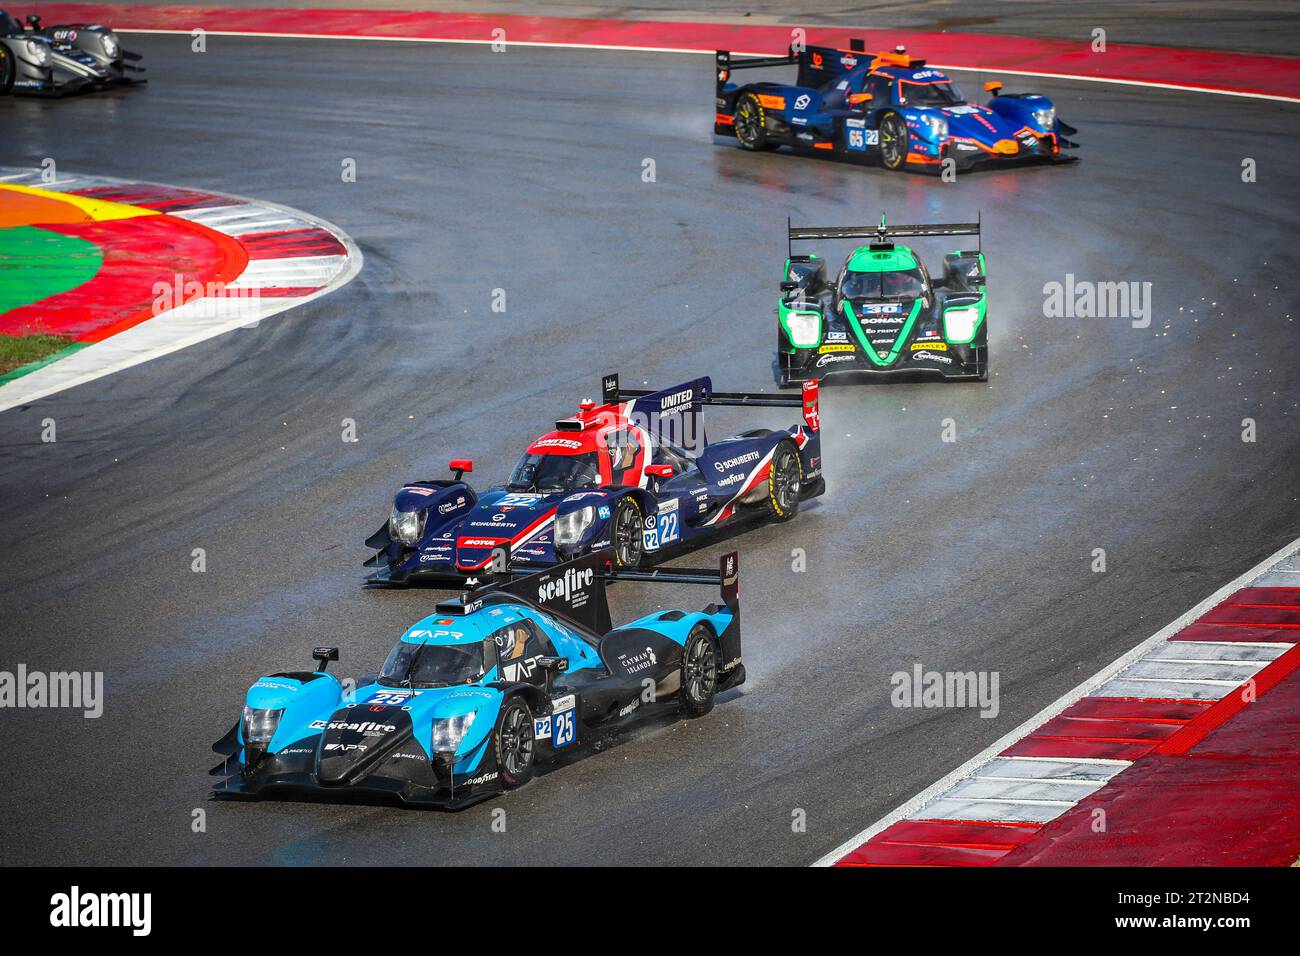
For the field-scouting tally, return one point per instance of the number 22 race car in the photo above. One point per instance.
(882, 313)
(636, 474)
(474, 696)
(886, 106)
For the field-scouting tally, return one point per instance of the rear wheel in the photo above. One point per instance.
(516, 747)
(626, 534)
(893, 141)
(783, 481)
(699, 671)
(750, 122)
(7, 69)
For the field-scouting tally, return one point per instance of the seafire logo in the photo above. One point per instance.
(76, 909)
(366, 728)
(570, 585)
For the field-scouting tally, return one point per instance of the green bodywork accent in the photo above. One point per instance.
(784, 312)
(889, 357)
(898, 259)
(36, 264)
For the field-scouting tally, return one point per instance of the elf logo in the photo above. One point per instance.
(76, 909)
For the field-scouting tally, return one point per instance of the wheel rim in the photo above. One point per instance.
(517, 742)
(785, 477)
(627, 536)
(701, 670)
(892, 143)
(746, 122)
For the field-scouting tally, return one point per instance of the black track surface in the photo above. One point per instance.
(523, 171)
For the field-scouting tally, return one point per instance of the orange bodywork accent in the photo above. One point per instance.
(823, 145)
(723, 119)
(891, 59)
(771, 102)
(1006, 147)
(919, 158)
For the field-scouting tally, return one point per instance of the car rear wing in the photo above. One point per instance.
(575, 590)
(882, 234)
(725, 63)
(612, 393)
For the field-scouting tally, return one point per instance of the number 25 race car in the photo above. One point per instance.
(635, 474)
(885, 106)
(882, 312)
(474, 696)
(57, 60)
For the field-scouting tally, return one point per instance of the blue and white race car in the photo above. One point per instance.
(885, 106)
(472, 698)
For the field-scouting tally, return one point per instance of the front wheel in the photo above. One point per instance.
(750, 122)
(893, 141)
(783, 481)
(699, 671)
(626, 534)
(516, 748)
(7, 70)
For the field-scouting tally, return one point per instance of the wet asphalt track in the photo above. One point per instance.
(523, 171)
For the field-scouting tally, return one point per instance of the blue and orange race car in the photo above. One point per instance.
(885, 106)
(636, 474)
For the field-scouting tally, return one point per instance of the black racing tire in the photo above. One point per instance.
(893, 141)
(699, 671)
(8, 67)
(783, 481)
(626, 534)
(750, 124)
(514, 743)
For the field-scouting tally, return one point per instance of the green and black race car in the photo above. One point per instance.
(882, 313)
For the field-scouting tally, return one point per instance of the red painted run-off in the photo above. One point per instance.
(1201, 69)
(1211, 782)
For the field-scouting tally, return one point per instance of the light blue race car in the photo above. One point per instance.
(473, 697)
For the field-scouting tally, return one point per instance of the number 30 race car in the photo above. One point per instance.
(882, 312)
(885, 106)
(474, 696)
(63, 59)
(635, 474)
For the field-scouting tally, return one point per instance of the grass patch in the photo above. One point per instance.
(19, 350)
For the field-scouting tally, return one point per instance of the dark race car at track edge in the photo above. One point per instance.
(882, 313)
(636, 473)
(473, 697)
(889, 107)
(69, 58)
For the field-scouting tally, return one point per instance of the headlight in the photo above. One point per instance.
(1046, 119)
(406, 526)
(39, 52)
(805, 329)
(569, 528)
(449, 731)
(938, 126)
(959, 324)
(111, 48)
(259, 725)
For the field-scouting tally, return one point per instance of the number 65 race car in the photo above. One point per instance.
(885, 106)
(474, 696)
(635, 474)
(882, 312)
(63, 59)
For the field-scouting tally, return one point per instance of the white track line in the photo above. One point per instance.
(1051, 710)
(1149, 84)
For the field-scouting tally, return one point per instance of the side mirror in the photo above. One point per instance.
(857, 99)
(324, 655)
(993, 87)
(461, 465)
(659, 471)
(552, 666)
